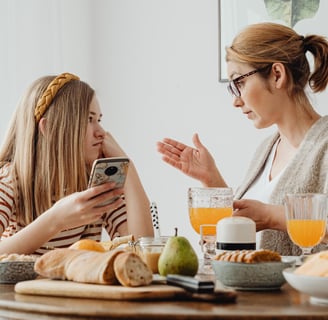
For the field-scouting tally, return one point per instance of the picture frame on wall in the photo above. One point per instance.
(305, 16)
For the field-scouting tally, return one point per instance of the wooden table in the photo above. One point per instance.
(286, 303)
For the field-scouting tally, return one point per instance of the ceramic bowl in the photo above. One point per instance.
(315, 287)
(251, 276)
(15, 271)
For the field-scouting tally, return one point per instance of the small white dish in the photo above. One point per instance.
(315, 287)
(296, 259)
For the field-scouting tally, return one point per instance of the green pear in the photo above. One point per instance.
(178, 257)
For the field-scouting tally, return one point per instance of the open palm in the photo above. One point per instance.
(197, 162)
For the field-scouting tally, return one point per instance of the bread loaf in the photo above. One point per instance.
(131, 271)
(78, 265)
(94, 267)
(248, 256)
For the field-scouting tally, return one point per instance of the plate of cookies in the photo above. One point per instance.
(251, 270)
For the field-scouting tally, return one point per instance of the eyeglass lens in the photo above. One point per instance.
(233, 87)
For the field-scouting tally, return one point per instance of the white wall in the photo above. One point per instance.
(154, 65)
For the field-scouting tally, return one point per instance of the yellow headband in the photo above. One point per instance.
(50, 93)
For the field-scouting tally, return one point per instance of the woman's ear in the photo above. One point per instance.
(42, 125)
(279, 75)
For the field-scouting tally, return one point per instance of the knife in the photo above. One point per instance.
(191, 284)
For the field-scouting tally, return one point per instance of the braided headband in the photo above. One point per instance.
(50, 93)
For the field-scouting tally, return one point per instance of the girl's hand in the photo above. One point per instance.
(85, 207)
(110, 147)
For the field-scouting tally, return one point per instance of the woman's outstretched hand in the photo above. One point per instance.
(196, 162)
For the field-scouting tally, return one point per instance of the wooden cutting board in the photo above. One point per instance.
(62, 288)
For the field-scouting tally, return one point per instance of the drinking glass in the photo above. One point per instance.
(207, 243)
(306, 219)
(208, 205)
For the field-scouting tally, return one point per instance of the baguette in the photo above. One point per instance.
(78, 265)
(131, 271)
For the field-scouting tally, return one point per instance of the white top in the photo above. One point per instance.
(262, 187)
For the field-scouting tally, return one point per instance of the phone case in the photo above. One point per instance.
(108, 170)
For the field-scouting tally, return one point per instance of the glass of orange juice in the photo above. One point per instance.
(207, 206)
(306, 219)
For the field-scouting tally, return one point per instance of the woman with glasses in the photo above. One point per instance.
(269, 72)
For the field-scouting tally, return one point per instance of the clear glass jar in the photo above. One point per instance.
(149, 249)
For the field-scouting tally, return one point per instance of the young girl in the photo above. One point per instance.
(45, 163)
(269, 72)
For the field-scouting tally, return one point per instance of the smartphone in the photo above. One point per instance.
(109, 170)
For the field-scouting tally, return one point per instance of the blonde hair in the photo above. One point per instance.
(265, 43)
(49, 165)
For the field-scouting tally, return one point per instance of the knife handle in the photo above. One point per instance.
(190, 283)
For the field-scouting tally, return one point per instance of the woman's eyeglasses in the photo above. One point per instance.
(233, 84)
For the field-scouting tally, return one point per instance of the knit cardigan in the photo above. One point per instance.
(307, 172)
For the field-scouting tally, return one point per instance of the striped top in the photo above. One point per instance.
(9, 225)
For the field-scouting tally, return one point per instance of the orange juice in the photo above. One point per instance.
(208, 230)
(306, 233)
(199, 216)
